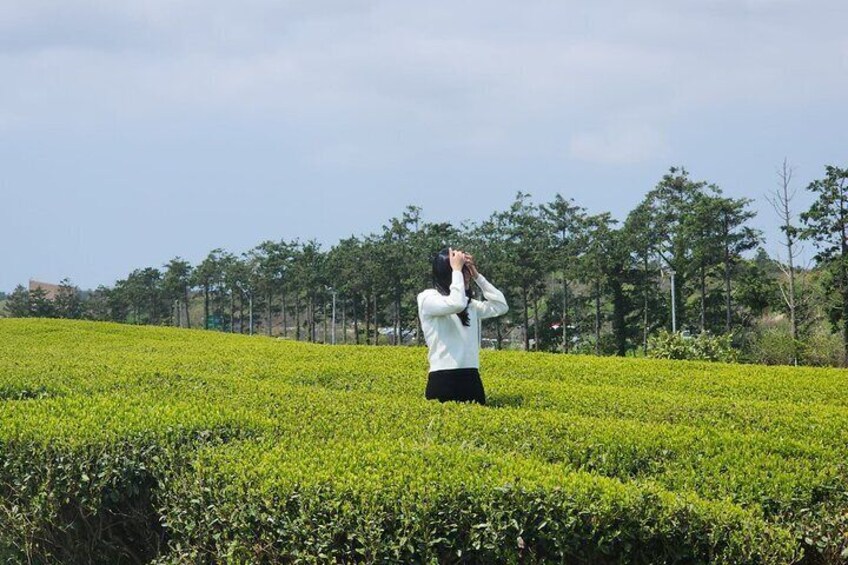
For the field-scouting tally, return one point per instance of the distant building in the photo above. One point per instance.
(50, 290)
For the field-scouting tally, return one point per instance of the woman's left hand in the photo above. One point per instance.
(472, 266)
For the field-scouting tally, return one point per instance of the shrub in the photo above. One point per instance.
(773, 345)
(704, 347)
(823, 348)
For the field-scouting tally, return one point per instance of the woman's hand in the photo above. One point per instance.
(472, 266)
(457, 259)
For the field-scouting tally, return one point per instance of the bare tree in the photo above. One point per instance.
(781, 199)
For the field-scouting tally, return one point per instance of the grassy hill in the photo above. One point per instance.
(134, 443)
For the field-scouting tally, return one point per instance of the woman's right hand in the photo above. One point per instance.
(457, 259)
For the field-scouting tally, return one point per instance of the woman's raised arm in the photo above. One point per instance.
(495, 304)
(435, 304)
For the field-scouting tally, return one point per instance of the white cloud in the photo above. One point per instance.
(619, 145)
(476, 79)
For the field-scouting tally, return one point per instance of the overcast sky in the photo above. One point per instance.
(132, 132)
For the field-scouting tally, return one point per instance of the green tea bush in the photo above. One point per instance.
(125, 445)
(703, 347)
(412, 504)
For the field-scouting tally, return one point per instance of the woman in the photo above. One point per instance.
(450, 320)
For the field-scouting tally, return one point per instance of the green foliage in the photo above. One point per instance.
(129, 444)
(703, 347)
(68, 303)
(773, 345)
(605, 288)
(17, 303)
(823, 348)
(826, 225)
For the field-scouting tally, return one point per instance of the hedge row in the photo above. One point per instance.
(138, 444)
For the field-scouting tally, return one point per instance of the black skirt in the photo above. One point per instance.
(460, 385)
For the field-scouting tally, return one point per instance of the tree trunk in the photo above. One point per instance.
(792, 317)
(206, 307)
(597, 317)
(311, 318)
(285, 319)
(526, 320)
(324, 314)
(232, 312)
(536, 323)
(679, 298)
(618, 322)
(843, 267)
(344, 321)
(564, 315)
(398, 328)
(395, 315)
(297, 315)
(645, 320)
(727, 294)
(187, 303)
(355, 322)
(218, 299)
(367, 319)
(703, 276)
(268, 312)
(844, 289)
(376, 327)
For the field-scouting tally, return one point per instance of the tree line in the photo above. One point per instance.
(576, 281)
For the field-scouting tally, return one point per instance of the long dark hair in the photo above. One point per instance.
(442, 275)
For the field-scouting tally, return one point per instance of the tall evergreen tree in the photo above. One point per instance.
(567, 222)
(701, 227)
(529, 244)
(270, 258)
(208, 275)
(596, 264)
(68, 302)
(176, 289)
(826, 225)
(492, 251)
(735, 238)
(640, 239)
(17, 303)
(667, 210)
(40, 306)
(398, 254)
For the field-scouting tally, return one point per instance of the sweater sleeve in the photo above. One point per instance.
(495, 304)
(435, 304)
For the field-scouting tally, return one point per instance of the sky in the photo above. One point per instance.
(132, 132)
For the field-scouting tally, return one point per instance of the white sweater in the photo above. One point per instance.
(452, 345)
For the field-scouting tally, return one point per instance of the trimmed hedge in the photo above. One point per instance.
(137, 444)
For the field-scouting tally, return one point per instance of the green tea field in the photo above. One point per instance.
(122, 444)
